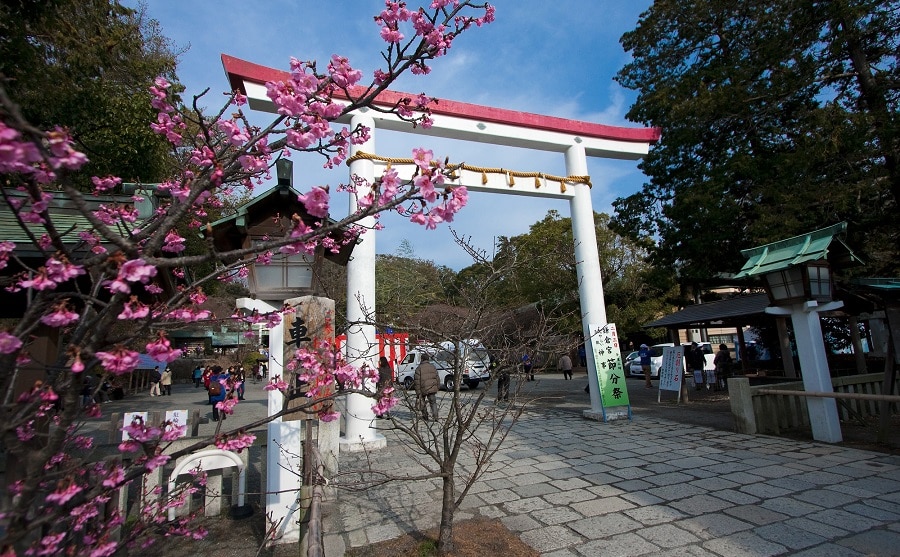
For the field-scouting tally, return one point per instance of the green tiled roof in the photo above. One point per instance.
(814, 246)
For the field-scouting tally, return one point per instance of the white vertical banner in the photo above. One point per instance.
(671, 373)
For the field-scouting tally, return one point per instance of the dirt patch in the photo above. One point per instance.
(492, 538)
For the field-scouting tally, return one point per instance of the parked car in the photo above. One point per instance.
(630, 359)
(475, 361)
(656, 355)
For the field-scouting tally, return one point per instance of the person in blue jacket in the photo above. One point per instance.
(218, 389)
(644, 354)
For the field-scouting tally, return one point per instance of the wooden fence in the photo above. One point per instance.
(770, 409)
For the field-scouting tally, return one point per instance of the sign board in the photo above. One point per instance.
(608, 361)
(128, 418)
(671, 373)
(177, 418)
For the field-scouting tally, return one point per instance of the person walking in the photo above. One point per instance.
(696, 362)
(165, 380)
(645, 354)
(426, 382)
(528, 367)
(218, 389)
(197, 376)
(565, 364)
(722, 362)
(501, 371)
(155, 377)
(385, 379)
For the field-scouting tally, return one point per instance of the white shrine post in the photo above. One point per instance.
(283, 483)
(361, 347)
(587, 267)
(469, 122)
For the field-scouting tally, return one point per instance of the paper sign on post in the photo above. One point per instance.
(176, 418)
(128, 418)
(671, 372)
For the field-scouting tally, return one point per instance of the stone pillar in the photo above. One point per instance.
(587, 263)
(361, 346)
(823, 414)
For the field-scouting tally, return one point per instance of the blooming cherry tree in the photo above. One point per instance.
(123, 269)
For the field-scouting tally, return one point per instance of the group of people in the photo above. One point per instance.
(161, 382)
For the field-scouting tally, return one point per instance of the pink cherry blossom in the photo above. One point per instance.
(60, 317)
(9, 343)
(161, 349)
(316, 201)
(119, 360)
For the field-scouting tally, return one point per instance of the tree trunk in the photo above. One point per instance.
(448, 508)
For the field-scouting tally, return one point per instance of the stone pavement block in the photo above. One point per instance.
(829, 550)
(531, 478)
(826, 498)
(756, 514)
(667, 536)
(654, 514)
(844, 519)
(497, 497)
(792, 483)
(534, 490)
(819, 528)
(641, 498)
(764, 490)
(700, 504)
(382, 532)
(526, 505)
(736, 497)
(629, 473)
(669, 478)
(605, 490)
(556, 515)
(520, 523)
(876, 484)
(568, 497)
(550, 538)
(605, 505)
(825, 478)
(632, 486)
(713, 484)
(874, 542)
(691, 463)
(490, 511)
(561, 553)
(744, 544)
(623, 545)
(709, 526)
(879, 510)
(603, 526)
(334, 545)
(570, 484)
(775, 471)
(792, 506)
(789, 536)
(687, 551)
(562, 473)
(675, 492)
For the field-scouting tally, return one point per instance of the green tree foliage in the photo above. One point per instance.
(87, 65)
(542, 271)
(777, 118)
(405, 284)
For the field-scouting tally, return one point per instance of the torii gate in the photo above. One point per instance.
(457, 120)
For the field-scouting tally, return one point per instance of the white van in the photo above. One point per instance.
(656, 355)
(475, 362)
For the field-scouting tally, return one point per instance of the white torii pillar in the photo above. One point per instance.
(587, 267)
(361, 347)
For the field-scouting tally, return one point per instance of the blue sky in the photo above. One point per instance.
(555, 58)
